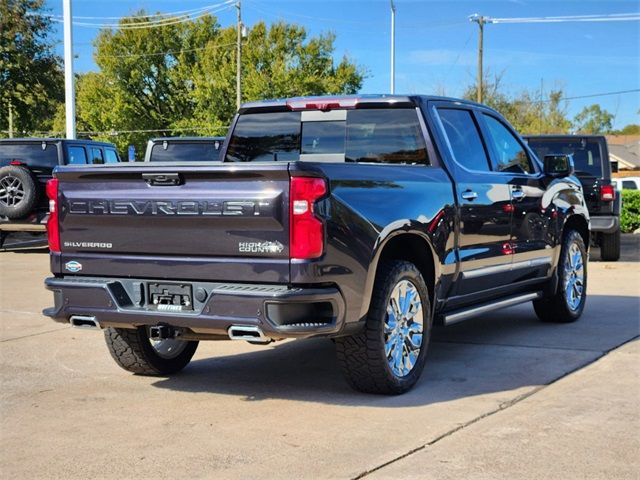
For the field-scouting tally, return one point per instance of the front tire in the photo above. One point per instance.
(610, 246)
(389, 355)
(133, 350)
(567, 303)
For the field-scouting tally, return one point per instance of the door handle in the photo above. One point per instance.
(469, 195)
(518, 194)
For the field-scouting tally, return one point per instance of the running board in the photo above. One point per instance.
(463, 314)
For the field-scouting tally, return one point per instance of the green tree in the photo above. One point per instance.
(31, 79)
(181, 78)
(524, 110)
(631, 129)
(593, 120)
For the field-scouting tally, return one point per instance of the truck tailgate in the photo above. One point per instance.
(160, 217)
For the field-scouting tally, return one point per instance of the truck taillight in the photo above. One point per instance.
(607, 193)
(53, 228)
(306, 230)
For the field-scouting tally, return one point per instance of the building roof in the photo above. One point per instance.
(627, 156)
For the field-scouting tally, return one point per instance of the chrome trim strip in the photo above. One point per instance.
(507, 267)
(472, 312)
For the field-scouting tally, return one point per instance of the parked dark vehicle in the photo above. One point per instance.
(364, 219)
(593, 169)
(25, 166)
(184, 149)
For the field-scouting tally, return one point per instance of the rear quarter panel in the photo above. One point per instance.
(369, 204)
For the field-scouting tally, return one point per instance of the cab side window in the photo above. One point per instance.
(110, 155)
(77, 156)
(464, 138)
(510, 154)
(96, 156)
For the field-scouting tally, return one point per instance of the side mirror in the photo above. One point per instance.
(558, 165)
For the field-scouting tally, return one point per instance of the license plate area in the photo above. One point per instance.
(170, 297)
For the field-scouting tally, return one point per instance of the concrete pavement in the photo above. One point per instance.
(283, 411)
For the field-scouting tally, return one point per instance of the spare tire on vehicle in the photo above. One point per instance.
(18, 192)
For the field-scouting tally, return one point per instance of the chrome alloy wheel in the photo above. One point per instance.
(403, 328)
(167, 348)
(573, 277)
(11, 191)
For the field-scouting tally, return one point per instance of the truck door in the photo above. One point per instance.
(484, 200)
(531, 233)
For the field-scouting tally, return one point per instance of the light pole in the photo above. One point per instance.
(69, 89)
(393, 47)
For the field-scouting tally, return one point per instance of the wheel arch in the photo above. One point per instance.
(412, 246)
(580, 224)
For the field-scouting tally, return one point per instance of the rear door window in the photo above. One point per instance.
(77, 156)
(181, 151)
(96, 156)
(35, 155)
(464, 139)
(362, 135)
(508, 153)
(586, 152)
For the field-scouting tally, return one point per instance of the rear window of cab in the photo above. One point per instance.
(362, 135)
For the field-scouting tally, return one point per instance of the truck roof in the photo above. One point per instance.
(187, 139)
(346, 101)
(54, 140)
(552, 136)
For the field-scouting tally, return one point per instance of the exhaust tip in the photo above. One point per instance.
(248, 333)
(84, 321)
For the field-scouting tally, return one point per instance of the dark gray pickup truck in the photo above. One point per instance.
(363, 219)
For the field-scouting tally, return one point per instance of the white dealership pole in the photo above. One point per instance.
(69, 90)
(393, 48)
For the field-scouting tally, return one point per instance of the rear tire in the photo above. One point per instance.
(567, 303)
(383, 359)
(18, 192)
(610, 246)
(133, 350)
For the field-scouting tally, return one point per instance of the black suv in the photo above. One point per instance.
(593, 169)
(25, 166)
(184, 149)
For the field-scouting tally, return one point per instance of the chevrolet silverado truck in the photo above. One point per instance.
(363, 219)
(593, 169)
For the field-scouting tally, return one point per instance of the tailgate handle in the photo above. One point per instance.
(162, 179)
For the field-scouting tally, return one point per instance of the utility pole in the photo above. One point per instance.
(481, 21)
(10, 119)
(393, 48)
(69, 90)
(238, 59)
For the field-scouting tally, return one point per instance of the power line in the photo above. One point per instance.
(159, 14)
(174, 52)
(605, 94)
(162, 22)
(615, 17)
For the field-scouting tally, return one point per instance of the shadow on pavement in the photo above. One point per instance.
(494, 353)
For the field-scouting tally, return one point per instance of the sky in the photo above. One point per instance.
(436, 45)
